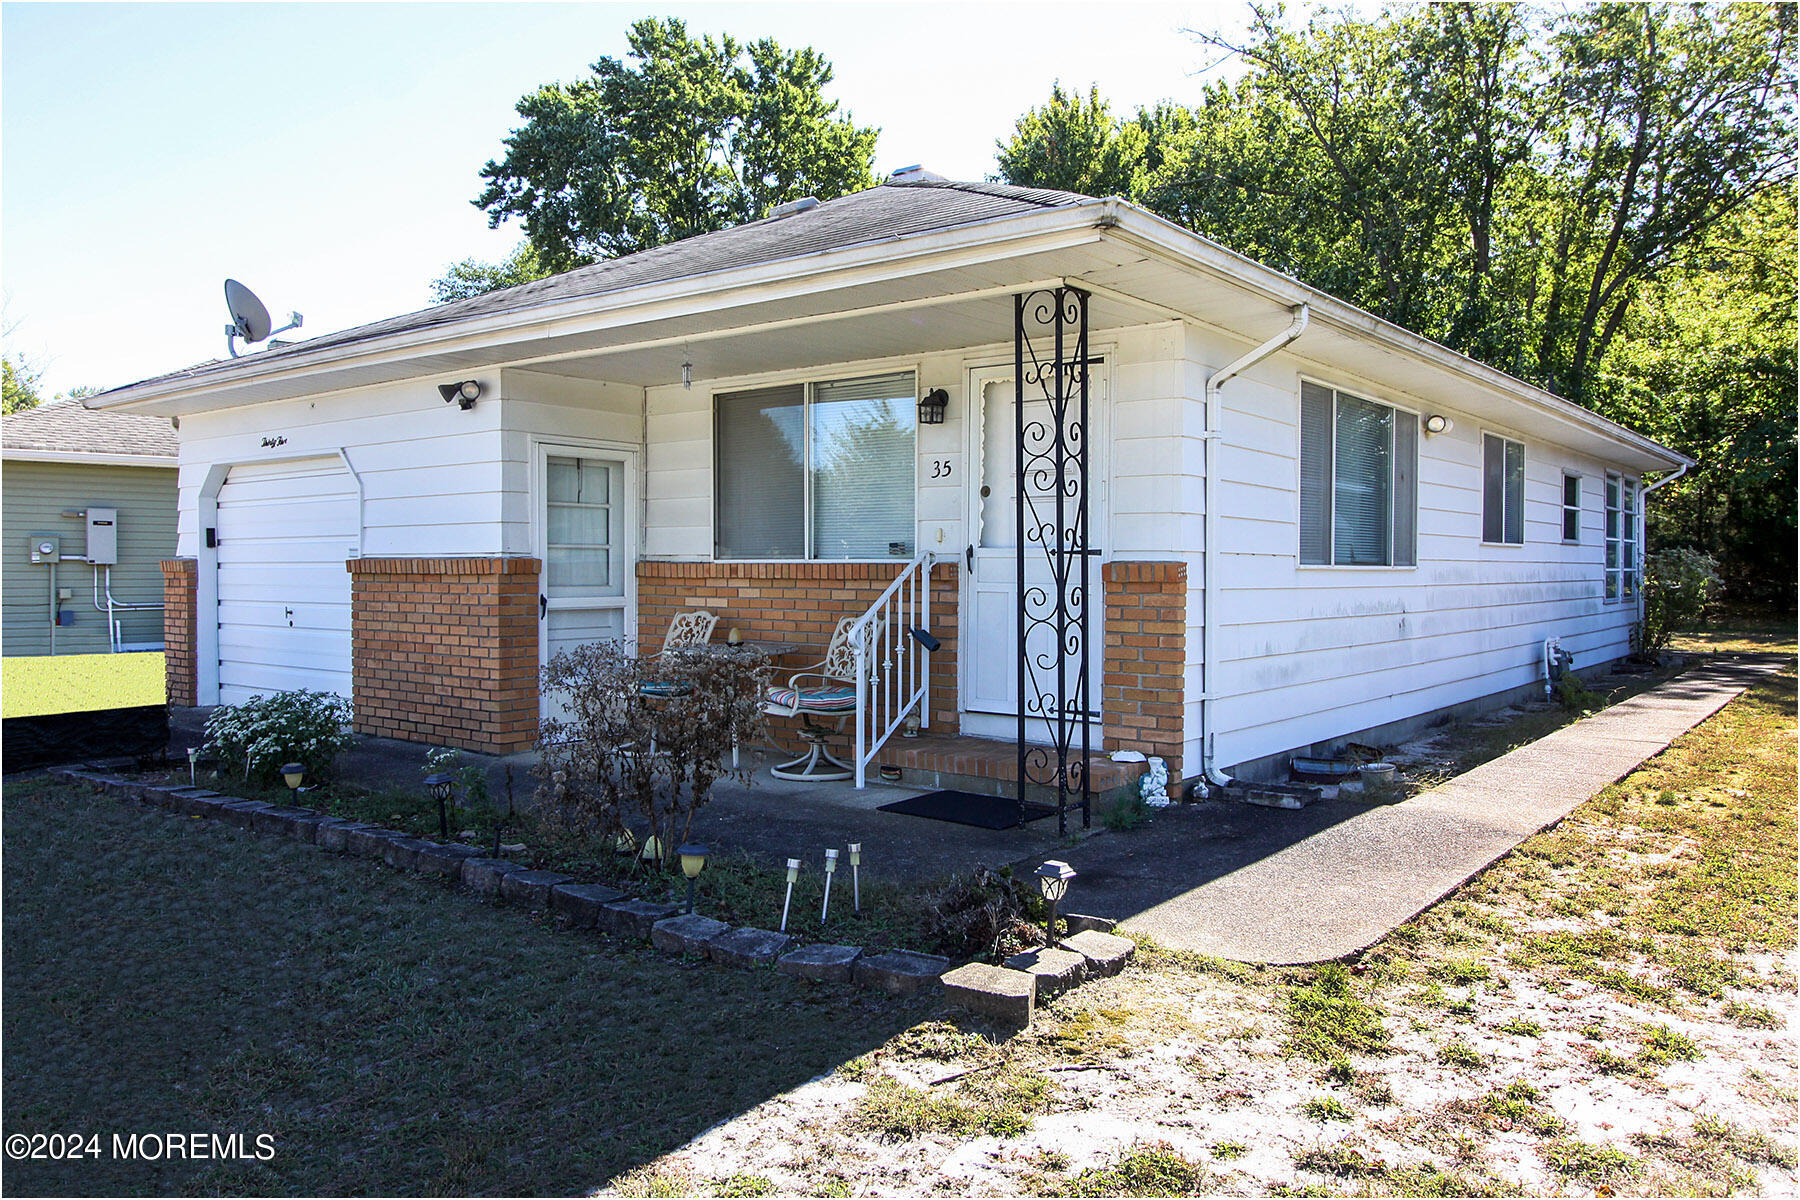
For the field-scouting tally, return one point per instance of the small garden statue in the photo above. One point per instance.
(1153, 784)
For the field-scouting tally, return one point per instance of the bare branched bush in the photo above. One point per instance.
(642, 742)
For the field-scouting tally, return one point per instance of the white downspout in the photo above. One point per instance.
(1643, 529)
(1215, 410)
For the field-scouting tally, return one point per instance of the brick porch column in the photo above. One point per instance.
(181, 578)
(445, 650)
(1146, 652)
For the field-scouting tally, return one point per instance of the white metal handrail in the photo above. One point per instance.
(893, 669)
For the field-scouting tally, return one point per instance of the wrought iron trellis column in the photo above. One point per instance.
(1050, 368)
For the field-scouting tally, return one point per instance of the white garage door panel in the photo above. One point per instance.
(284, 532)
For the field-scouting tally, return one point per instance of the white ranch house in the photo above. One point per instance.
(1305, 523)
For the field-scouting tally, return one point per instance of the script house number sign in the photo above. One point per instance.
(272, 442)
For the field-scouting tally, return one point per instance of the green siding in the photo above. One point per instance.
(34, 496)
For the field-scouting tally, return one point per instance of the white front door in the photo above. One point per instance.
(990, 614)
(585, 522)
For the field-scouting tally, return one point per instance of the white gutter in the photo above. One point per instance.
(19, 454)
(1209, 551)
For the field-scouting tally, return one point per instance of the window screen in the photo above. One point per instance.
(759, 448)
(862, 468)
(816, 471)
(1358, 481)
(1502, 490)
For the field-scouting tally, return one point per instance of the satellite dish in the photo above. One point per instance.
(249, 319)
(248, 316)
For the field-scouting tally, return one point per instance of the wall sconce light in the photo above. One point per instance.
(1438, 423)
(693, 861)
(465, 393)
(931, 408)
(1053, 881)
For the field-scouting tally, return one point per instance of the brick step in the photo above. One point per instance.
(984, 766)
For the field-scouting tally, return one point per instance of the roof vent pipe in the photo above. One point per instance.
(916, 174)
(794, 206)
(1209, 560)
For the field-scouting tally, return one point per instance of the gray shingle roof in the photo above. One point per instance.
(65, 427)
(877, 214)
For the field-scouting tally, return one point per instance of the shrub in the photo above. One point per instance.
(1124, 809)
(985, 914)
(266, 732)
(1677, 584)
(644, 740)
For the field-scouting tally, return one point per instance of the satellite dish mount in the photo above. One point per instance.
(249, 319)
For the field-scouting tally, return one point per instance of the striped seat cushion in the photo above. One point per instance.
(820, 699)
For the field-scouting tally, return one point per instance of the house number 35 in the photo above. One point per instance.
(942, 469)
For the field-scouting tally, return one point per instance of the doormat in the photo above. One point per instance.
(966, 808)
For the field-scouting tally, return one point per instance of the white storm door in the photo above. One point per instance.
(990, 624)
(588, 589)
(284, 530)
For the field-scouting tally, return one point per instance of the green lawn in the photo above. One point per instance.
(37, 686)
(396, 1036)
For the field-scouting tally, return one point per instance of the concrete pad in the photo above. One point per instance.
(687, 934)
(579, 904)
(1263, 885)
(898, 972)
(747, 947)
(990, 991)
(1056, 971)
(821, 962)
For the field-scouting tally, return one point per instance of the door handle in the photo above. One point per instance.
(543, 605)
(969, 556)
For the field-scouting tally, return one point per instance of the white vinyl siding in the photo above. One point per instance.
(1358, 472)
(1502, 491)
(819, 471)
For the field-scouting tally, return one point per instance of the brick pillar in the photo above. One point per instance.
(445, 650)
(1146, 653)
(181, 576)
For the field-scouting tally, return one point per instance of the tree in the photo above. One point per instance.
(471, 277)
(1075, 145)
(21, 385)
(694, 135)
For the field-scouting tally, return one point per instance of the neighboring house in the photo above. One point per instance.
(100, 488)
(732, 422)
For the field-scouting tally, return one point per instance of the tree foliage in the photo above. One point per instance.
(1557, 194)
(21, 385)
(471, 277)
(690, 136)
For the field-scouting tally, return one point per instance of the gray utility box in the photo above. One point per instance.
(103, 536)
(45, 548)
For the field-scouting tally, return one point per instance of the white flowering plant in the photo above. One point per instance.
(264, 733)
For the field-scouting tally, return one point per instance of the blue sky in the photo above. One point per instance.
(326, 154)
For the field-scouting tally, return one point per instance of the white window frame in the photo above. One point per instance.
(1331, 457)
(809, 387)
(1568, 509)
(1524, 479)
(1623, 576)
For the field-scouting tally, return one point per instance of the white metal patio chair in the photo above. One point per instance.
(824, 692)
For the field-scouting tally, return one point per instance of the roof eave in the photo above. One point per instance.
(76, 457)
(1169, 240)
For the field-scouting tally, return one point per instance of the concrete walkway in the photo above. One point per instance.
(1274, 886)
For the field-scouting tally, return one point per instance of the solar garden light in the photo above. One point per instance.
(830, 870)
(193, 765)
(856, 877)
(439, 786)
(1053, 880)
(693, 861)
(652, 851)
(793, 872)
(292, 774)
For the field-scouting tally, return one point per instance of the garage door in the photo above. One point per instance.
(285, 530)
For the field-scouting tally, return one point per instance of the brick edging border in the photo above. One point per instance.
(1008, 993)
